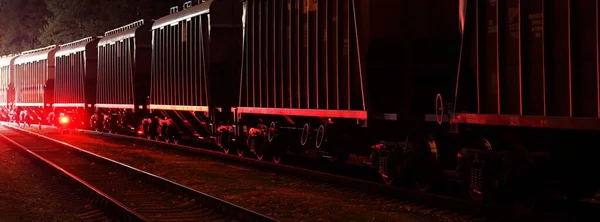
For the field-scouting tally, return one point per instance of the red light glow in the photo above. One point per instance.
(64, 120)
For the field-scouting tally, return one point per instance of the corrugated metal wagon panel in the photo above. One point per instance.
(301, 55)
(76, 73)
(34, 77)
(7, 77)
(123, 67)
(342, 58)
(196, 57)
(532, 58)
(180, 60)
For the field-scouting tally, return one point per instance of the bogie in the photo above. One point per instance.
(496, 164)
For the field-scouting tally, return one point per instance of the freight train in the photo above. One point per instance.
(504, 99)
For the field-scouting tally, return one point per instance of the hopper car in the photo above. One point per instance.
(75, 83)
(501, 96)
(7, 87)
(524, 110)
(195, 58)
(34, 84)
(123, 70)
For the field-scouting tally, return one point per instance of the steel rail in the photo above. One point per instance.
(200, 199)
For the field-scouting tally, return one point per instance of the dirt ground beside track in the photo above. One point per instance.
(25, 195)
(282, 197)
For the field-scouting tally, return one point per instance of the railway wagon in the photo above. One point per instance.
(123, 76)
(331, 78)
(34, 82)
(525, 110)
(195, 56)
(75, 80)
(7, 88)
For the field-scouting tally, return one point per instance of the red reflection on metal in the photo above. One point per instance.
(179, 108)
(69, 105)
(348, 114)
(30, 104)
(378, 146)
(290, 120)
(115, 106)
(525, 121)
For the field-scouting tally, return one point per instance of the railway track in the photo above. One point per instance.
(59, 201)
(86, 211)
(551, 210)
(443, 206)
(126, 193)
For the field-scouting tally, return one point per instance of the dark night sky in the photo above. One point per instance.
(27, 24)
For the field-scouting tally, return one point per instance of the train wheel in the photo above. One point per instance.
(259, 156)
(277, 159)
(424, 163)
(240, 152)
(225, 150)
(526, 206)
(422, 187)
(305, 134)
(175, 141)
(388, 165)
(476, 195)
(272, 132)
(387, 179)
(320, 137)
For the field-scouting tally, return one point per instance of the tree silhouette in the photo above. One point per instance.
(28, 24)
(21, 22)
(76, 19)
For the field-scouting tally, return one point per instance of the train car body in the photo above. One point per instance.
(541, 72)
(525, 107)
(195, 55)
(510, 91)
(7, 87)
(123, 76)
(334, 76)
(75, 79)
(329, 78)
(34, 82)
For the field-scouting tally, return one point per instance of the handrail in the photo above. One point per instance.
(87, 39)
(124, 28)
(39, 50)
